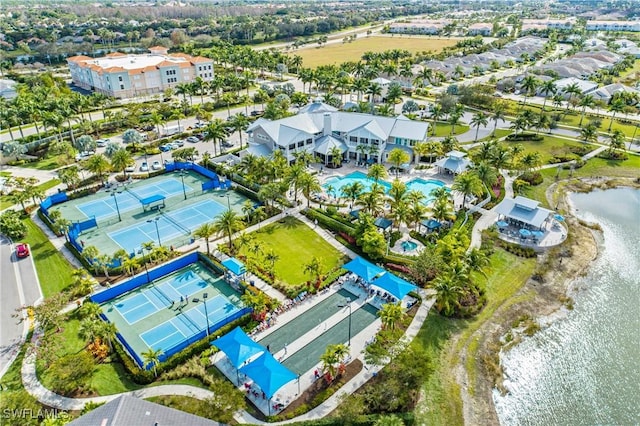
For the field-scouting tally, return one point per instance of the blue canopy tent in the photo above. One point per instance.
(394, 285)
(382, 223)
(431, 224)
(237, 346)
(234, 265)
(363, 269)
(269, 374)
(148, 201)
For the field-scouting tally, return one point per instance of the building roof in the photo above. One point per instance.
(118, 61)
(585, 86)
(317, 106)
(524, 210)
(326, 143)
(128, 411)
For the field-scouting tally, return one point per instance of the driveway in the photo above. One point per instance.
(19, 287)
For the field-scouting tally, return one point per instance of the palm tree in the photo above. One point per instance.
(271, 258)
(391, 315)
(120, 160)
(616, 140)
(333, 356)
(336, 156)
(309, 184)
(467, 183)
(397, 157)
(589, 133)
(373, 90)
(98, 165)
(479, 119)
(133, 137)
(257, 301)
(586, 102)
(377, 172)
(352, 191)
(436, 114)
(215, 132)
(448, 292)
(152, 356)
(529, 85)
(547, 88)
(486, 173)
(617, 105)
(206, 230)
(239, 124)
(497, 114)
(420, 149)
(228, 223)
(314, 268)
(372, 201)
(293, 176)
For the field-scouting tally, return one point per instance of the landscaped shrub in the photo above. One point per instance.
(576, 164)
(399, 268)
(328, 222)
(525, 137)
(563, 158)
(533, 178)
(613, 155)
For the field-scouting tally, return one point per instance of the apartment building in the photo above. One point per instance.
(123, 75)
(613, 26)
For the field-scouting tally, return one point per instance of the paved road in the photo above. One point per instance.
(19, 286)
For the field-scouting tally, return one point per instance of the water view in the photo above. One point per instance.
(584, 369)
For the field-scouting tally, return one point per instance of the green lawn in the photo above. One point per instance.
(549, 147)
(48, 163)
(295, 244)
(594, 167)
(54, 272)
(441, 404)
(444, 129)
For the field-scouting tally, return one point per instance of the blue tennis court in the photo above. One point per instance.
(129, 199)
(155, 297)
(188, 323)
(170, 225)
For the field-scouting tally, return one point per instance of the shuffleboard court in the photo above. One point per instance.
(170, 225)
(129, 199)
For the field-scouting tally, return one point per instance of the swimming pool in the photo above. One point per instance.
(409, 245)
(339, 182)
(425, 186)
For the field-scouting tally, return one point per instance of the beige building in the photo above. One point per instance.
(124, 76)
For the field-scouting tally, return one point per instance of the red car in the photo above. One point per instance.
(22, 250)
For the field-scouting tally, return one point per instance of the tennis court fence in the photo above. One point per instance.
(176, 224)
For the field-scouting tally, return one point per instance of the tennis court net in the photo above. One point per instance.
(162, 293)
(176, 224)
(133, 193)
(184, 317)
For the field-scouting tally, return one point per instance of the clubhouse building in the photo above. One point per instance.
(123, 76)
(323, 131)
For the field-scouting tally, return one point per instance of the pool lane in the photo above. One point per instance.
(306, 321)
(301, 361)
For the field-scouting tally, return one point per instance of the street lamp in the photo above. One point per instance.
(347, 302)
(228, 201)
(184, 191)
(113, 194)
(144, 260)
(155, 220)
(206, 314)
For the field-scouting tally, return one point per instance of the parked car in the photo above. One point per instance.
(101, 143)
(226, 144)
(166, 147)
(156, 165)
(257, 113)
(130, 169)
(22, 250)
(193, 139)
(144, 167)
(200, 125)
(178, 142)
(84, 155)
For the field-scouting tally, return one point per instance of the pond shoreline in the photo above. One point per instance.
(547, 298)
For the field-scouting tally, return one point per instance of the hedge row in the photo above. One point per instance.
(525, 137)
(327, 221)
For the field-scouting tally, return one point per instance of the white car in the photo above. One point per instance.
(144, 167)
(156, 165)
(193, 139)
(130, 169)
(101, 143)
(84, 155)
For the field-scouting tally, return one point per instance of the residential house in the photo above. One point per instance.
(606, 93)
(483, 29)
(127, 410)
(585, 86)
(596, 25)
(122, 76)
(362, 137)
(418, 27)
(454, 162)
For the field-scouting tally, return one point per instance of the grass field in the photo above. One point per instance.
(342, 52)
(295, 244)
(54, 272)
(441, 404)
(444, 129)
